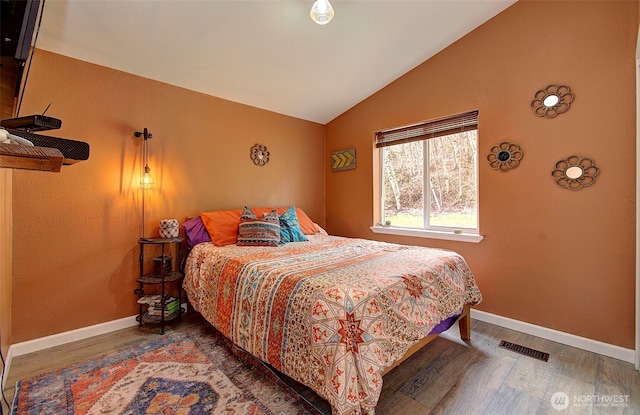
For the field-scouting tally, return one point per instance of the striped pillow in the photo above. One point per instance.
(254, 231)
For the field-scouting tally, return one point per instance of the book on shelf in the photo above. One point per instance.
(154, 299)
(171, 307)
(171, 303)
(157, 313)
(155, 307)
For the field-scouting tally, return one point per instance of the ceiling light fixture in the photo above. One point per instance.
(321, 12)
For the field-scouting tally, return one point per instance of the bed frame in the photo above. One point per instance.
(464, 323)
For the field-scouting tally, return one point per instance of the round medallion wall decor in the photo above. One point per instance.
(504, 156)
(552, 101)
(575, 172)
(259, 155)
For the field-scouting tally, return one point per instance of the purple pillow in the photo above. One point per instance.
(196, 232)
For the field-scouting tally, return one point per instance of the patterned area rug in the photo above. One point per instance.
(194, 371)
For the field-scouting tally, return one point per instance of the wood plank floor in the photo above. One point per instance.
(448, 376)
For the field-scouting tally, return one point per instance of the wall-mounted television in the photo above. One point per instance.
(27, 29)
(18, 26)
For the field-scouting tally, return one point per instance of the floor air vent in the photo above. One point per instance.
(524, 350)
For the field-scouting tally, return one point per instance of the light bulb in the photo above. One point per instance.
(321, 12)
(147, 181)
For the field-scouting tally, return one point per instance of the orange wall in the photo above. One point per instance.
(75, 232)
(552, 257)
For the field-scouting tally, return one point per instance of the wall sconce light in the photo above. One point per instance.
(146, 182)
(321, 12)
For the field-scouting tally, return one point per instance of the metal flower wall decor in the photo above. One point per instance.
(575, 172)
(504, 156)
(552, 101)
(259, 155)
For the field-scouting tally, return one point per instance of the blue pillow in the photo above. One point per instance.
(290, 227)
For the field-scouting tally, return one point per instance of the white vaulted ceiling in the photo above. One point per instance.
(266, 53)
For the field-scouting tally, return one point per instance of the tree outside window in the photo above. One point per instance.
(431, 183)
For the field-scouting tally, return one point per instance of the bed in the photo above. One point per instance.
(333, 313)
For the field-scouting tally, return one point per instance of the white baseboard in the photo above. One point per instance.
(70, 336)
(58, 339)
(605, 349)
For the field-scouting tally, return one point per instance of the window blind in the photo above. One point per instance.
(429, 129)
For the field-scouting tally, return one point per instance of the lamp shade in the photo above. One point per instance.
(147, 182)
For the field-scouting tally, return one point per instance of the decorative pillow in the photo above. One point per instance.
(254, 231)
(248, 214)
(222, 225)
(195, 232)
(306, 225)
(290, 228)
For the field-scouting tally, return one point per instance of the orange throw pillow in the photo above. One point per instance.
(222, 225)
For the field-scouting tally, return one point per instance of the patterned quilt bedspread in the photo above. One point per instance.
(331, 312)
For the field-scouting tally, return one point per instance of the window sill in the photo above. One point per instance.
(423, 233)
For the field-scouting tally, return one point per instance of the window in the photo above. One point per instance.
(429, 177)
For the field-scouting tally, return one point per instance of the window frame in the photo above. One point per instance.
(426, 131)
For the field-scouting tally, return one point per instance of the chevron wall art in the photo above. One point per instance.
(343, 160)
